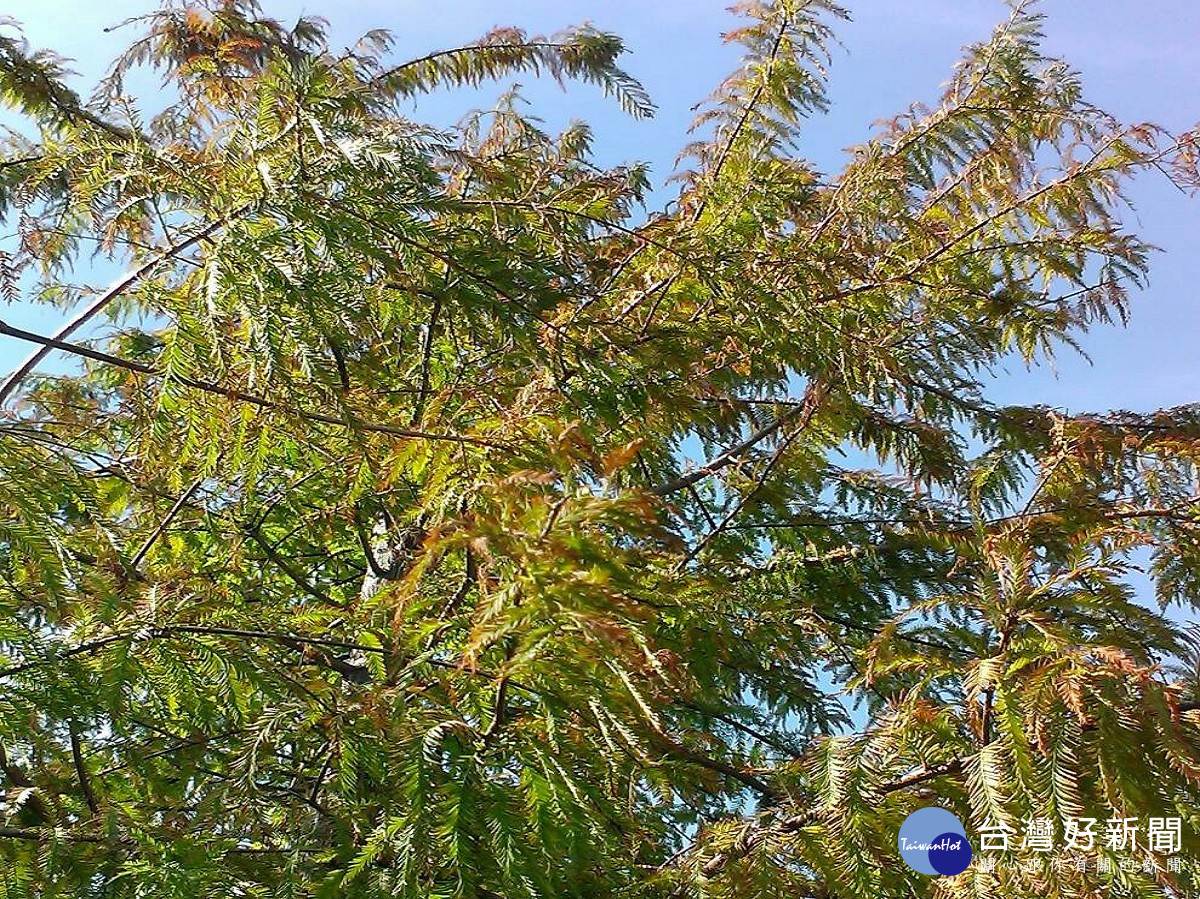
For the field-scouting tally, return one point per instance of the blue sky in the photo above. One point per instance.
(1138, 60)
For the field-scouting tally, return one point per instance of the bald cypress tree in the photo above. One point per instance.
(424, 519)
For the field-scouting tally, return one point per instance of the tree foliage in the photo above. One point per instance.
(425, 520)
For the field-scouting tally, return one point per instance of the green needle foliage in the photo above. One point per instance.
(425, 520)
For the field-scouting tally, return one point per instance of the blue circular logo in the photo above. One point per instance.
(932, 841)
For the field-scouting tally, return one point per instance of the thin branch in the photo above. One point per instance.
(232, 393)
(742, 501)
(757, 834)
(81, 649)
(165, 631)
(462, 51)
(730, 456)
(72, 835)
(295, 575)
(803, 414)
(315, 795)
(85, 782)
(116, 290)
(58, 834)
(765, 739)
(165, 523)
(427, 356)
(747, 111)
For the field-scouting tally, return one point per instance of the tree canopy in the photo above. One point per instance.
(425, 518)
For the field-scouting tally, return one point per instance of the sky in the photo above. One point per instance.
(1137, 57)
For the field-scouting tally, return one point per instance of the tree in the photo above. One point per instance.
(362, 554)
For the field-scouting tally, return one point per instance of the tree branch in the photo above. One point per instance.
(757, 834)
(115, 290)
(232, 393)
(813, 396)
(85, 782)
